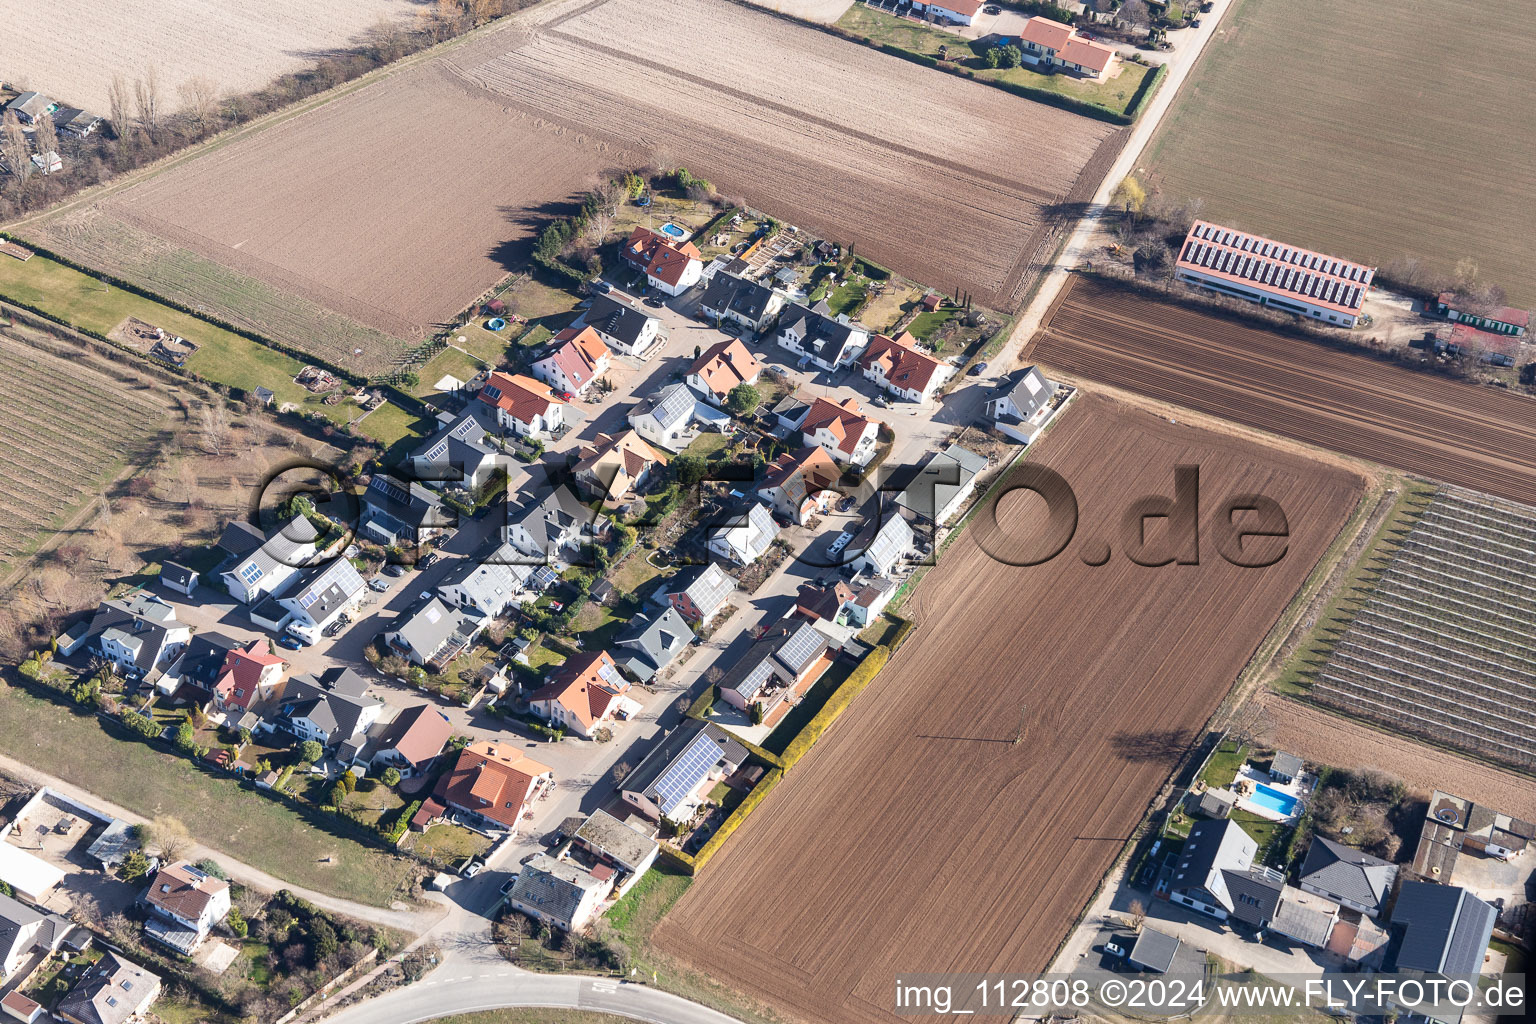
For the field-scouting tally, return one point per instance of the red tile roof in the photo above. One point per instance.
(813, 464)
(658, 257)
(898, 358)
(725, 365)
(183, 891)
(583, 687)
(1085, 52)
(580, 354)
(418, 734)
(844, 422)
(1265, 265)
(242, 670)
(967, 7)
(1047, 33)
(491, 779)
(518, 396)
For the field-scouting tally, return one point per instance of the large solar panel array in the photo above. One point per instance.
(805, 644)
(1270, 265)
(686, 772)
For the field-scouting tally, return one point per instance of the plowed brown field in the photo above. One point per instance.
(917, 836)
(1482, 438)
(365, 219)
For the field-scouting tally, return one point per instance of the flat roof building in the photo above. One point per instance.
(1258, 269)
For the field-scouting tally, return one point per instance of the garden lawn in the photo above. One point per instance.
(222, 356)
(1224, 764)
(390, 425)
(449, 843)
(878, 29)
(248, 825)
(450, 362)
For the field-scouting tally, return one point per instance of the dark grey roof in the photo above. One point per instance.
(409, 504)
(1347, 873)
(240, 538)
(489, 579)
(727, 292)
(945, 475)
(335, 701)
(1211, 803)
(321, 591)
(1255, 894)
(1154, 949)
(425, 627)
(1285, 764)
(14, 916)
(794, 646)
(143, 617)
(554, 518)
(1445, 929)
(707, 587)
(203, 659)
(618, 320)
(180, 575)
(678, 749)
(1212, 847)
(33, 104)
(553, 887)
(651, 643)
(1027, 388)
(815, 331)
(671, 407)
(459, 447)
(107, 992)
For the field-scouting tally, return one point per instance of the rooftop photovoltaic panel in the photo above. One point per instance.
(686, 772)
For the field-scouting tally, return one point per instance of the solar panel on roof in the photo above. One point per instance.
(690, 768)
(1354, 297)
(1269, 274)
(1189, 247)
(1334, 292)
(1210, 256)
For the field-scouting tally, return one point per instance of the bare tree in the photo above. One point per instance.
(200, 95)
(46, 136)
(1138, 912)
(146, 94)
(118, 100)
(620, 772)
(1135, 12)
(13, 146)
(214, 423)
(170, 837)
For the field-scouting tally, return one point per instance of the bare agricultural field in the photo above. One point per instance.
(365, 220)
(824, 11)
(918, 836)
(1395, 135)
(71, 50)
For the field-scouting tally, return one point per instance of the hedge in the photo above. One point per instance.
(700, 707)
(396, 832)
(857, 680)
(902, 632)
(691, 863)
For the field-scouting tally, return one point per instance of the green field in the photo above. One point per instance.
(449, 362)
(879, 28)
(1373, 132)
(222, 356)
(221, 813)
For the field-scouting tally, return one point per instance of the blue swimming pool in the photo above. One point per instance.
(672, 230)
(1274, 800)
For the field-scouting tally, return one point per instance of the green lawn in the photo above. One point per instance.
(246, 824)
(708, 444)
(373, 801)
(847, 296)
(1224, 764)
(635, 573)
(449, 843)
(221, 356)
(392, 426)
(451, 362)
(1270, 835)
(879, 28)
(924, 324)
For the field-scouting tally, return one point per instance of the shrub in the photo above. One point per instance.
(391, 777)
(134, 866)
(311, 751)
(142, 724)
(237, 923)
(798, 747)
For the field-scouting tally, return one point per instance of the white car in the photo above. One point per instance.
(841, 542)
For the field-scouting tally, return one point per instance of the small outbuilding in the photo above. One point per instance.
(1154, 950)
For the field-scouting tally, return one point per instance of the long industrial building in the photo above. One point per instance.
(1273, 274)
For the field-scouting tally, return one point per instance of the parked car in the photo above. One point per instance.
(395, 570)
(1113, 950)
(334, 629)
(377, 585)
(506, 886)
(427, 560)
(471, 868)
(291, 642)
(993, 9)
(654, 301)
(978, 370)
(841, 542)
(882, 401)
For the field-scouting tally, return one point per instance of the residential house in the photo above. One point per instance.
(1440, 930)
(1211, 803)
(140, 635)
(721, 368)
(1021, 402)
(332, 708)
(801, 484)
(110, 991)
(956, 12)
(1305, 917)
(77, 122)
(411, 742)
(748, 303)
(816, 603)
(783, 662)
(744, 534)
(651, 643)
(584, 694)
(1498, 320)
(395, 512)
(668, 267)
(666, 419)
(1453, 824)
(525, 406)
(265, 564)
(488, 584)
(675, 777)
(1284, 767)
(1052, 43)
(700, 592)
(185, 904)
(813, 334)
(250, 676)
(178, 578)
(560, 893)
(432, 634)
(494, 784)
(1199, 876)
(553, 528)
(26, 932)
(463, 453)
(871, 595)
(29, 106)
(622, 326)
(1253, 894)
(198, 666)
(614, 468)
(1154, 950)
(882, 547)
(579, 358)
(788, 413)
(610, 840)
(900, 368)
(1347, 876)
(841, 430)
(943, 485)
(322, 596)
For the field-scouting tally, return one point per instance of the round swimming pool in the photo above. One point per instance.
(673, 231)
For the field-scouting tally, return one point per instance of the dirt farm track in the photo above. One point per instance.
(917, 836)
(1483, 438)
(352, 228)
